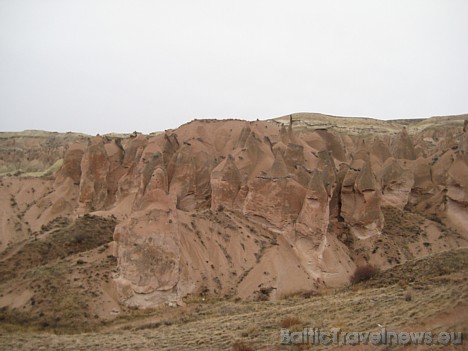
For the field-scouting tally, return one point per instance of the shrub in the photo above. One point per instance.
(79, 237)
(241, 346)
(363, 273)
(288, 322)
(305, 294)
(309, 293)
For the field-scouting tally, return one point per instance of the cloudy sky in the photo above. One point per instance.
(99, 66)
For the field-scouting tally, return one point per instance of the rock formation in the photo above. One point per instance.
(239, 208)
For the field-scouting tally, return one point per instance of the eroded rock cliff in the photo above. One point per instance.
(253, 209)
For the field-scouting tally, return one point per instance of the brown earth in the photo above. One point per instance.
(415, 296)
(256, 211)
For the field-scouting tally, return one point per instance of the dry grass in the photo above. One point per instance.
(362, 126)
(290, 321)
(217, 325)
(65, 239)
(45, 266)
(241, 346)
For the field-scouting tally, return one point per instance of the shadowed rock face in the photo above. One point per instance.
(397, 183)
(361, 200)
(403, 147)
(95, 166)
(313, 217)
(72, 164)
(231, 207)
(226, 182)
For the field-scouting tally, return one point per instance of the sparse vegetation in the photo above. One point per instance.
(241, 346)
(363, 273)
(305, 294)
(236, 261)
(58, 303)
(437, 286)
(290, 321)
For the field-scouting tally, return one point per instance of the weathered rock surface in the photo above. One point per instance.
(254, 209)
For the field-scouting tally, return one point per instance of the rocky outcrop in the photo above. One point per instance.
(313, 217)
(361, 200)
(225, 184)
(397, 183)
(95, 166)
(71, 167)
(457, 193)
(402, 146)
(240, 208)
(148, 252)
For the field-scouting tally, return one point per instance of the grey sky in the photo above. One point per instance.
(102, 66)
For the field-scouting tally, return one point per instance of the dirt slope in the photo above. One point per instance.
(222, 209)
(416, 296)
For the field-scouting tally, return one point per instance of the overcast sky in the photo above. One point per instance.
(117, 66)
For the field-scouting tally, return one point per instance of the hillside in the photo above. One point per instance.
(415, 296)
(107, 232)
